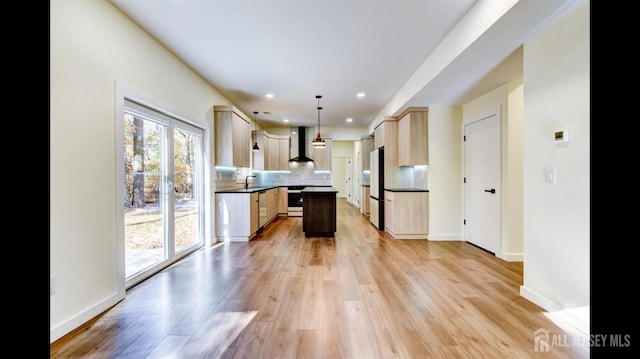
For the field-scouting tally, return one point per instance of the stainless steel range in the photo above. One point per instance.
(294, 199)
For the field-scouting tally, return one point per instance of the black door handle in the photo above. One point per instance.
(493, 190)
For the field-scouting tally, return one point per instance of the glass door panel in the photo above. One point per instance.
(187, 174)
(145, 211)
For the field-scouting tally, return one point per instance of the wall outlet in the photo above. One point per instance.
(51, 285)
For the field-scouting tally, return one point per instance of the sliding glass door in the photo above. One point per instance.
(163, 199)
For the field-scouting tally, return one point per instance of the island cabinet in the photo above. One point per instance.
(406, 213)
(321, 156)
(386, 135)
(232, 137)
(319, 216)
(366, 147)
(413, 137)
(237, 216)
(274, 151)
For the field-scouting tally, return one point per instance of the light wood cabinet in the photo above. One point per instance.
(413, 137)
(237, 216)
(232, 137)
(406, 214)
(386, 134)
(274, 151)
(364, 201)
(283, 207)
(322, 157)
(273, 203)
(366, 147)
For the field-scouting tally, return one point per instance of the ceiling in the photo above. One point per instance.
(400, 53)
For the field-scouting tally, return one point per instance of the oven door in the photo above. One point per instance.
(294, 203)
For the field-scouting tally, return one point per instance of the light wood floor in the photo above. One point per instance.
(359, 295)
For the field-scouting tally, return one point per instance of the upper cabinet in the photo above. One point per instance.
(367, 144)
(232, 136)
(386, 134)
(413, 149)
(273, 154)
(322, 156)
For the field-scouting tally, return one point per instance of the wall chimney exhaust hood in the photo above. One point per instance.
(302, 146)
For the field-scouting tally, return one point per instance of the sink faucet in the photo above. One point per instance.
(246, 181)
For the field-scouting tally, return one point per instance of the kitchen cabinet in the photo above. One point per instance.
(274, 152)
(273, 203)
(322, 157)
(237, 216)
(366, 147)
(406, 213)
(386, 135)
(364, 202)
(283, 206)
(413, 139)
(232, 137)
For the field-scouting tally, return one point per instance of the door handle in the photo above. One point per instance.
(493, 190)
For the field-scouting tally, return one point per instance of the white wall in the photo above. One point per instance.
(509, 99)
(92, 44)
(557, 216)
(445, 173)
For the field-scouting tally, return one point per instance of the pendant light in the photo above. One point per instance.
(256, 148)
(318, 142)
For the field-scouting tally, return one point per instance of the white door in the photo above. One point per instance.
(340, 177)
(482, 182)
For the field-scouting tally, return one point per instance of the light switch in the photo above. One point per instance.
(550, 175)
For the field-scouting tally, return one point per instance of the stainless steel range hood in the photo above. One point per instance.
(301, 146)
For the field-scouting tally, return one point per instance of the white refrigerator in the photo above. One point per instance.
(376, 188)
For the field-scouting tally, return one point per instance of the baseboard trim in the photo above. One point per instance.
(576, 317)
(510, 257)
(77, 321)
(444, 237)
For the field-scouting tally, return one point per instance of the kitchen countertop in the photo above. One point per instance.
(266, 187)
(406, 190)
(319, 189)
(246, 190)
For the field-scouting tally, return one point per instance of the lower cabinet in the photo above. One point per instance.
(364, 200)
(406, 214)
(237, 216)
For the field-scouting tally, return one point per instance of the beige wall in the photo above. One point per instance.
(445, 173)
(557, 216)
(93, 45)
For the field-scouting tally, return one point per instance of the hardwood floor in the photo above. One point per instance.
(361, 294)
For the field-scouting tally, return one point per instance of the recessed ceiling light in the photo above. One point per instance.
(361, 94)
(349, 119)
(285, 120)
(269, 95)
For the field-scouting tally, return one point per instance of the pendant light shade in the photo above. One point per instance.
(255, 148)
(319, 142)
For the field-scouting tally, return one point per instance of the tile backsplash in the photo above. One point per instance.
(231, 178)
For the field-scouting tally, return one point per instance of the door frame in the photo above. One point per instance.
(125, 92)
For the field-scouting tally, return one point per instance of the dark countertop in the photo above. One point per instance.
(248, 190)
(406, 190)
(319, 189)
(366, 185)
(259, 188)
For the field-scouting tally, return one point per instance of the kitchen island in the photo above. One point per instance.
(319, 211)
